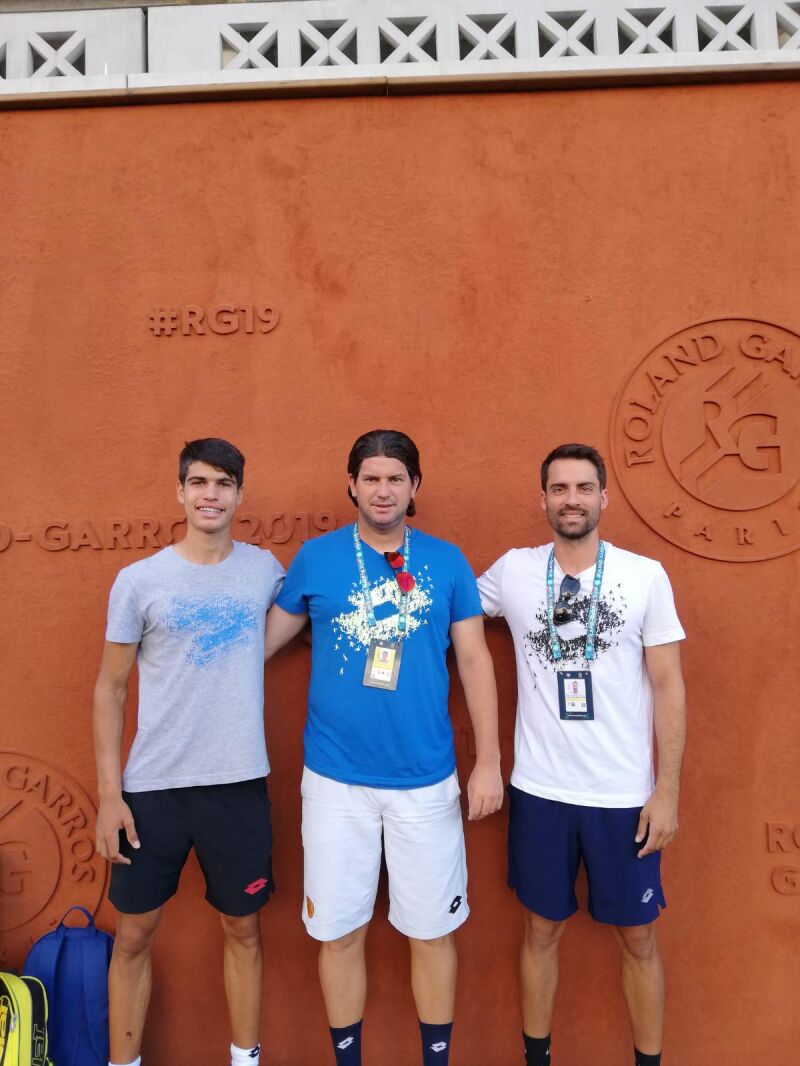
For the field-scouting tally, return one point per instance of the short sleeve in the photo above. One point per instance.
(465, 603)
(661, 623)
(490, 587)
(293, 596)
(125, 622)
(277, 575)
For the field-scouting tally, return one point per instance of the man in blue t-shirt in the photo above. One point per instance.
(385, 603)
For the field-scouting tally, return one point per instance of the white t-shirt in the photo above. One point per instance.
(608, 761)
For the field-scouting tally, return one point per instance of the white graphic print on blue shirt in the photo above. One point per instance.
(351, 628)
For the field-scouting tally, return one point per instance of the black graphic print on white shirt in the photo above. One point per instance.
(610, 620)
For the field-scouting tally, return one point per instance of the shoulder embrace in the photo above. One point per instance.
(255, 552)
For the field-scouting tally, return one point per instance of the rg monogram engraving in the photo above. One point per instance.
(47, 852)
(706, 439)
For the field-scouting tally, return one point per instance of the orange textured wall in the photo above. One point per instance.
(487, 273)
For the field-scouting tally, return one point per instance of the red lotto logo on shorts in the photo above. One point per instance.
(256, 886)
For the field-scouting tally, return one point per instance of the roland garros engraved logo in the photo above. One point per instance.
(706, 439)
(48, 860)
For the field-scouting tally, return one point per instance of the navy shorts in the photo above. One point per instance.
(227, 825)
(548, 839)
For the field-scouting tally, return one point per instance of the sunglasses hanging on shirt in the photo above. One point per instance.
(404, 579)
(564, 611)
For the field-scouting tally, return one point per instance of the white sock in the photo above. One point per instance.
(245, 1056)
(136, 1062)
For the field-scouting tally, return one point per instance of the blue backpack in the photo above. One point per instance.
(72, 964)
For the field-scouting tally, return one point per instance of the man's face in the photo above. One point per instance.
(573, 498)
(383, 491)
(209, 497)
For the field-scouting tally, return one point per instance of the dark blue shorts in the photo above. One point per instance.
(548, 839)
(229, 828)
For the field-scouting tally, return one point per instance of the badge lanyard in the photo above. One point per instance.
(402, 618)
(589, 651)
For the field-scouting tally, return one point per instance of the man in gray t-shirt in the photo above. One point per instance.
(192, 617)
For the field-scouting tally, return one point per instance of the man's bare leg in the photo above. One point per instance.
(129, 983)
(343, 976)
(434, 965)
(643, 985)
(538, 972)
(243, 969)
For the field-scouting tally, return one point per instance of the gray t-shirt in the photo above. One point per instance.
(200, 630)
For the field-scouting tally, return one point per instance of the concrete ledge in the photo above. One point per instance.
(62, 89)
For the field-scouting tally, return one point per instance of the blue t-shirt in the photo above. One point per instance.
(369, 736)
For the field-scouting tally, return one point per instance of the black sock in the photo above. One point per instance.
(537, 1050)
(646, 1060)
(435, 1043)
(347, 1044)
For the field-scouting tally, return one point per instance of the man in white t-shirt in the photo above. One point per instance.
(598, 668)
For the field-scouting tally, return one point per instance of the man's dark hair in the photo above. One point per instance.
(214, 451)
(575, 451)
(388, 444)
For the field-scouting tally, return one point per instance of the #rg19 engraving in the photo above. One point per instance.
(110, 533)
(219, 319)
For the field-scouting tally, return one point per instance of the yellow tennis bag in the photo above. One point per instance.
(23, 1021)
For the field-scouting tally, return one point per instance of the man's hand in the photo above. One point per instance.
(114, 814)
(658, 821)
(484, 791)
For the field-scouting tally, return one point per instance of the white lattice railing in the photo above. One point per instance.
(388, 32)
(389, 41)
(36, 46)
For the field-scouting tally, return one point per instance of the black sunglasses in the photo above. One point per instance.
(563, 611)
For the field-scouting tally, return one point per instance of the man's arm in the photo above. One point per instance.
(110, 694)
(281, 628)
(475, 668)
(660, 813)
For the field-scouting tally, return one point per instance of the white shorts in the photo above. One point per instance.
(423, 840)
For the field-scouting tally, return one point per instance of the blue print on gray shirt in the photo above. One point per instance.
(213, 625)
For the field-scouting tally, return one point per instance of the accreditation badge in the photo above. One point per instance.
(575, 696)
(383, 664)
